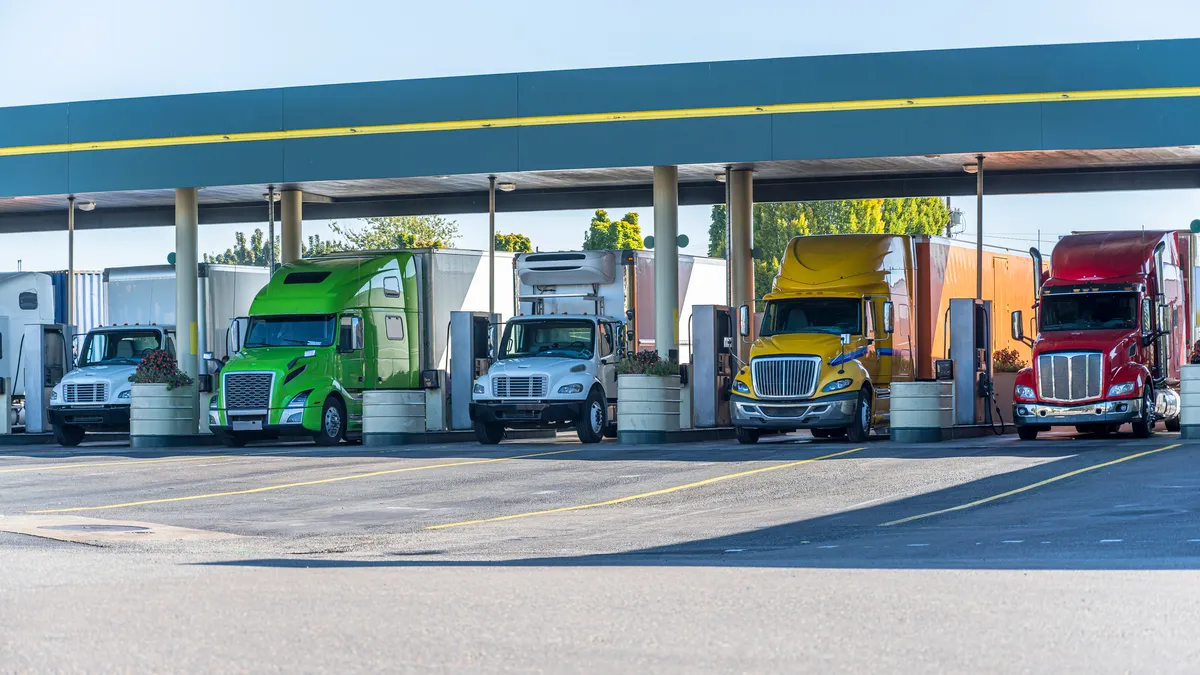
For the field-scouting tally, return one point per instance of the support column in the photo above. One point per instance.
(979, 228)
(741, 246)
(187, 273)
(666, 261)
(291, 234)
(71, 261)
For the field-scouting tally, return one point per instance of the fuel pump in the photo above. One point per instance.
(43, 357)
(712, 364)
(470, 356)
(970, 347)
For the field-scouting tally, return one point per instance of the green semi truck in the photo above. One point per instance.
(325, 330)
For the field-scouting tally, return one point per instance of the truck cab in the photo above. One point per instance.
(829, 345)
(1113, 326)
(95, 396)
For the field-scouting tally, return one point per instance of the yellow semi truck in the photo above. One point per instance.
(836, 331)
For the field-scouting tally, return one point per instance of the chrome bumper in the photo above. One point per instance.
(832, 411)
(1101, 412)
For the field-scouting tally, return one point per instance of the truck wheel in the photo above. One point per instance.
(590, 426)
(488, 433)
(1144, 428)
(1027, 433)
(68, 435)
(231, 440)
(860, 429)
(1174, 424)
(333, 423)
(746, 435)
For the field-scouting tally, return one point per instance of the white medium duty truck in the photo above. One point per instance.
(555, 364)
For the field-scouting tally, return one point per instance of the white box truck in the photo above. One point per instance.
(141, 317)
(555, 365)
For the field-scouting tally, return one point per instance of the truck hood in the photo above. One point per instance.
(116, 375)
(271, 359)
(1113, 342)
(553, 365)
(823, 345)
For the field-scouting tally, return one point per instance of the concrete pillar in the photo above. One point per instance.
(741, 245)
(291, 236)
(666, 261)
(187, 275)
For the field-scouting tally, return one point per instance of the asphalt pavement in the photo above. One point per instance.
(1070, 554)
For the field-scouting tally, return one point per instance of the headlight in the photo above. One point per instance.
(741, 387)
(299, 400)
(838, 385)
(478, 388)
(296, 417)
(212, 405)
(53, 395)
(1024, 392)
(570, 388)
(125, 394)
(1121, 389)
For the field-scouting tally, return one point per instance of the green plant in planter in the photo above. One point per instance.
(647, 363)
(159, 367)
(1007, 361)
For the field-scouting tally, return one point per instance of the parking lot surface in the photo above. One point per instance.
(1069, 554)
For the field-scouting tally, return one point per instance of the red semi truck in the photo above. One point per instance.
(1114, 318)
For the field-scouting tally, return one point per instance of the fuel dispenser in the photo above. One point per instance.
(712, 364)
(970, 348)
(470, 356)
(33, 359)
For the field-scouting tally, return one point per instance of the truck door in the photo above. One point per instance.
(607, 372)
(350, 369)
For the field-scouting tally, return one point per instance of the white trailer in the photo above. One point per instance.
(578, 313)
(33, 349)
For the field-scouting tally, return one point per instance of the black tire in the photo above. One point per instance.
(231, 440)
(591, 424)
(68, 435)
(859, 431)
(1144, 428)
(819, 433)
(1173, 424)
(333, 423)
(488, 433)
(1027, 433)
(747, 435)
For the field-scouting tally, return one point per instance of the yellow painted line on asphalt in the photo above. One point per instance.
(284, 486)
(644, 495)
(1002, 495)
(625, 116)
(127, 462)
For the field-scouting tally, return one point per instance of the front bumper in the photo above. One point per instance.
(828, 412)
(92, 418)
(255, 421)
(527, 414)
(1100, 412)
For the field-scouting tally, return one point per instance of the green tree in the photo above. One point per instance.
(776, 224)
(400, 232)
(606, 234)
(517, 243)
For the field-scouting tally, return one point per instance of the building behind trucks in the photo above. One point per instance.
(850, 314)
(140, 317)
(27, 313)
(555, 364)
(325, 330)
(1113, 326)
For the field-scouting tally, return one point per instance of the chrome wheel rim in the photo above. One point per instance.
(597, 417)
(866, 416)
(333, 423)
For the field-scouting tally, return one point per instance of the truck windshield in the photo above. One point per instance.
(813, 315)
(124, 347)
(287, 331)
(1089, 311)
(573, 339)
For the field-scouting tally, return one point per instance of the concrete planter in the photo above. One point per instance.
(161, 417)
(921, 411)
(393, 417)
(647, 408)
(1004, 384)
(1189, 395)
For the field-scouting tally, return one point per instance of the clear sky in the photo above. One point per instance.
(64, 50)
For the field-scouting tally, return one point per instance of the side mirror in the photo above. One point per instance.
(1147, 316)
(207, 356)
(744, 320)
(1018, 326)
(888, 320)
(1164, 322)
(236, 335)
(845, 337)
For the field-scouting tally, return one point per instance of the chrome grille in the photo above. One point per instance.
(1069, 376)
(504, 386)
(785, 376)
(90, 392)
(248, 391)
